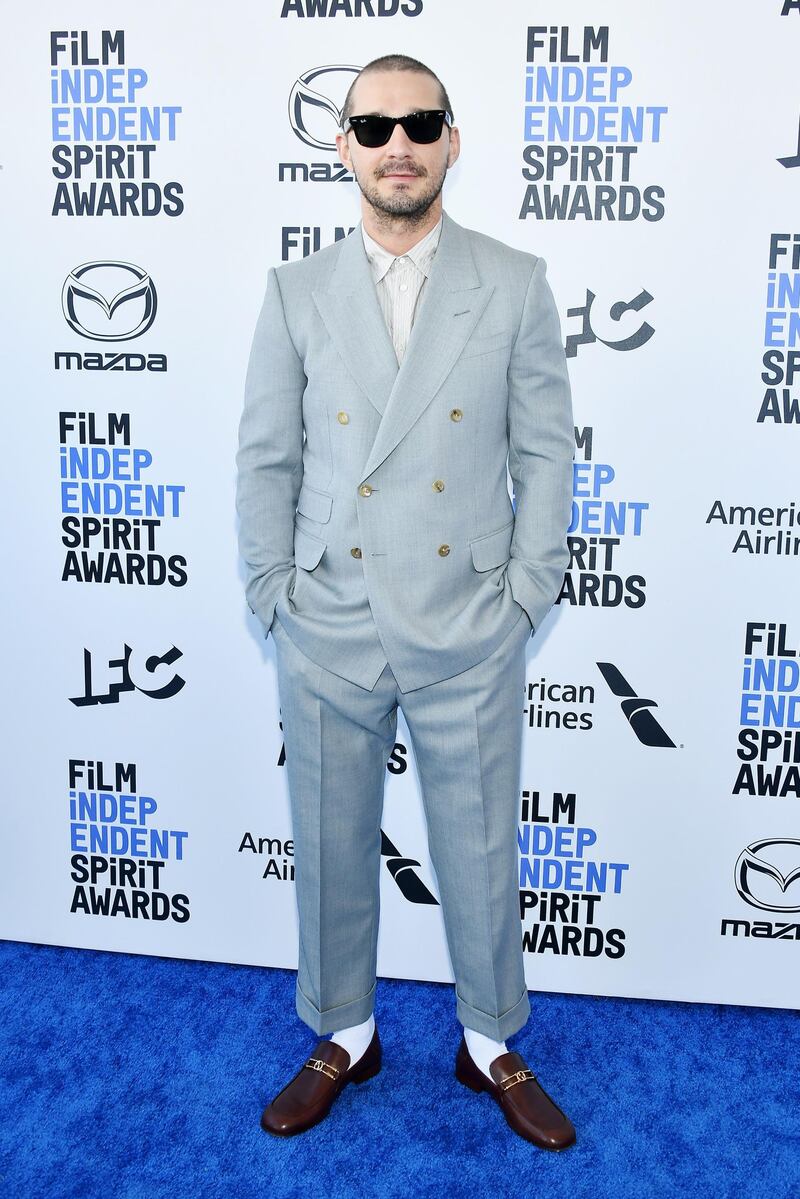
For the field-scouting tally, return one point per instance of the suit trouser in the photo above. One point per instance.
(466, 734)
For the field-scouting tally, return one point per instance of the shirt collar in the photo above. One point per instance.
(421, 253)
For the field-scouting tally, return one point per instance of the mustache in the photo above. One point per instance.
(409, 168)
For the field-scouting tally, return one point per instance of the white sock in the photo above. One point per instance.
(355, 1039)
(483, 1050)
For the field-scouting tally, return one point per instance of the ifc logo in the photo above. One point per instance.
(315, 104)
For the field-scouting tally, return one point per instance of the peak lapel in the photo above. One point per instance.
(352, 315)
(452, 302)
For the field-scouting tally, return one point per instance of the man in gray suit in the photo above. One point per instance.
(392, 379)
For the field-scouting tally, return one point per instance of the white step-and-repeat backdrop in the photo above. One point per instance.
(157, 159)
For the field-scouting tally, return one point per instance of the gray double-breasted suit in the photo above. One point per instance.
(382, 549)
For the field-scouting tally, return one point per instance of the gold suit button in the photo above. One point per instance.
(456, 414)
(438, 485)
(356, 551)
(342, 418)
(444, 550)
(365, 489)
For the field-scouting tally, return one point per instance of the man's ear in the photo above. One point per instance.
(343, 148)
(455, 145)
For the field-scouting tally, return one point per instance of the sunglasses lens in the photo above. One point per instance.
(373, 131)
(424, 127)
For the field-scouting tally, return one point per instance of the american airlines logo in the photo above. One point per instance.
(637, 710)
(402, 871)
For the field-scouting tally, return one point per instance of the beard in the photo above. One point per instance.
(410, 209)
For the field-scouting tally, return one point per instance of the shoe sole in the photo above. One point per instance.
(476, 1086)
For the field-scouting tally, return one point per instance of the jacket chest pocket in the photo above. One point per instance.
(485, 343)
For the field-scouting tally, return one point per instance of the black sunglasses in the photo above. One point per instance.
(422, 127)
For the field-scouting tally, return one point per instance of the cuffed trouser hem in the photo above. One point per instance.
(335, 1018)
(496, 1027)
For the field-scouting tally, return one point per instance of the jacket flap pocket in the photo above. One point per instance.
(316, 505)
(493, 548)
(307, 549)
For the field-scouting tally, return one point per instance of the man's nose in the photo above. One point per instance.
(400, 143)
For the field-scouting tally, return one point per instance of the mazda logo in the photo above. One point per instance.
(315, 104)
(765, 870)
(109, 300)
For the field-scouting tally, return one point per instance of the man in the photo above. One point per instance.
(392, 378)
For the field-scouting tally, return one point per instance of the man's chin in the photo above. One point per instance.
(400, 198)
(410, 210)
(402, 205)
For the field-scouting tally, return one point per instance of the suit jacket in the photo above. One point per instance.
(373, 499)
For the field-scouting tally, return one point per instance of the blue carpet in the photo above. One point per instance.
(131, 1077)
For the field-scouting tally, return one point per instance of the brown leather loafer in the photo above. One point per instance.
(309, 1096)
(528, 1109)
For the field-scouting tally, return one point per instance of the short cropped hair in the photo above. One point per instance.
(395, 62)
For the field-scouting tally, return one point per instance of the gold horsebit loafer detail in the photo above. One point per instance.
(520, 1076)
(316, 1063)
(310, 1095)
(527, 1107)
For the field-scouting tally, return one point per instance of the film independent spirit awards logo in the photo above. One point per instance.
(109, 300)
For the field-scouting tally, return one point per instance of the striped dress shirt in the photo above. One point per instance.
(399, 281)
